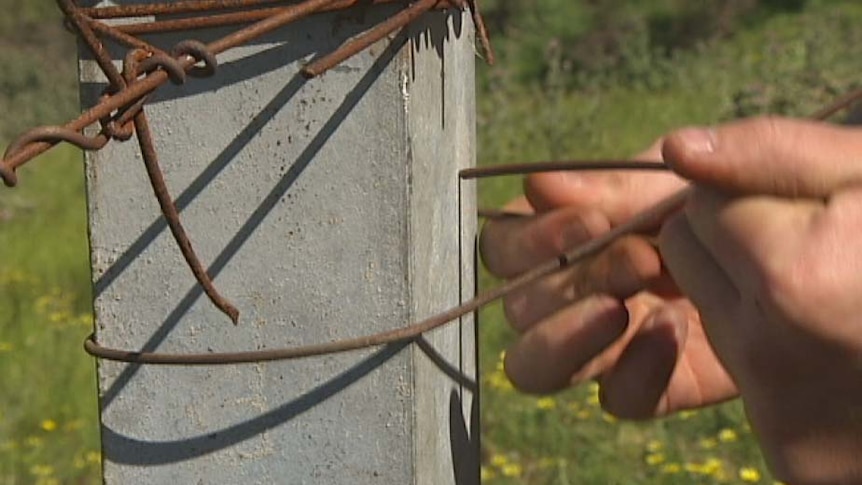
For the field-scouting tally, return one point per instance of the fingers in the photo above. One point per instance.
(512, 246)
(668, 366)
(701, 278)
(618, 194)
(545, 358)
(624, 269)
(768, 155)
(636, 386)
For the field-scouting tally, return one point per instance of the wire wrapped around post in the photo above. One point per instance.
(148, 67)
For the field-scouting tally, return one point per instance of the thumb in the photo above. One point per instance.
(768, 155)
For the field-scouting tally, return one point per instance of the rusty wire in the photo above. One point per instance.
(128, 95)
(122, 107)
(642, 222)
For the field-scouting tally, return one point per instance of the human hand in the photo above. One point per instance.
(783, 319)
(615, 318)
(765, 249)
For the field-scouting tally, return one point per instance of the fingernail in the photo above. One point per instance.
(697, 140)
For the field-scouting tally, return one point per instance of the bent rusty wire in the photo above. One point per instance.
(642, 222)
(120, 111)
(122, 107)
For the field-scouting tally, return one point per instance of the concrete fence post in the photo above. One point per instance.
(323, 209)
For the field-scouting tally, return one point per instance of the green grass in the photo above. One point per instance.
(790, 64)
(48, 410)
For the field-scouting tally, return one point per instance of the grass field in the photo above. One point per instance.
(788, 63)
(48, 412)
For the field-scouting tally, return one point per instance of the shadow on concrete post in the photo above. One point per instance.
(325, 209)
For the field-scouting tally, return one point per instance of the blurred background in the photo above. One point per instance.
(573, 79)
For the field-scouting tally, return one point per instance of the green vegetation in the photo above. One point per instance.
(575, 79)
(48, 411)
(544, 102)
(37, 67)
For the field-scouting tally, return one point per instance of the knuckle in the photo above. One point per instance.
(634, 261)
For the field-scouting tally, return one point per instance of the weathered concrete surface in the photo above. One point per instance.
(326, 209)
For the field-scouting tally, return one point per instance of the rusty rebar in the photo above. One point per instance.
(354, 46)
(127, 94)
(136, 62)
(139, 89)
(573, 165)
(119, 109)
(241, 17)
(121, 37)
(639, 223)
(147, 85)
(168, 8)
(103, 58)
(644, 221)
(209, 6)
(482, 32)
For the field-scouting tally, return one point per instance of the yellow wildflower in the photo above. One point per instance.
(84, 320)
(499, 461)
(43, 303)
(546, 403)
(593, 398)
(654, 445)
(708, 443)
(49, 425)
(654, 459)
(583, 414)
(486, 473)
(512, 470)
(94, 457)
(712, 465)
(34, 441)
(79, 462)
(42, 470)
(6, 347)
(608, 418)
(671, 468)
(498, 380)
(684, 415)
(500, 366)
(749, 474)
(59, 316)
(727, 435)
